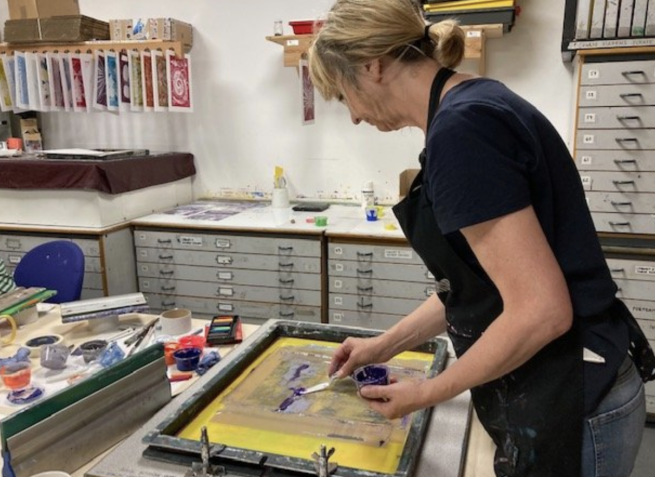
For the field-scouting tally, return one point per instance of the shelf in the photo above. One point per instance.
(295, 46)
(90, 46)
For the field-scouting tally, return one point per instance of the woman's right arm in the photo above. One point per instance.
(427, 321)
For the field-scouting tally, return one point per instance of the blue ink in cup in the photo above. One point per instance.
(372, 374)
(371, 214)
(187, 359)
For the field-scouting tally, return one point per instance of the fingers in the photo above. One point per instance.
(374, 392)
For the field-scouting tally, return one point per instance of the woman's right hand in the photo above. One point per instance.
(354, 353)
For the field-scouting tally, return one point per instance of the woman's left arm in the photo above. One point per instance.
(537, 309)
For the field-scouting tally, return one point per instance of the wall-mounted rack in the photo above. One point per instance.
(90, 46)
(297, 45)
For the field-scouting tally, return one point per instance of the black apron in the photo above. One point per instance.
(533, 414)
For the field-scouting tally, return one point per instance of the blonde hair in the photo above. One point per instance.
(358, 31)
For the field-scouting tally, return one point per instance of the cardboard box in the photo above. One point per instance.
(167, 29)
(22, 9)
(56, 29)
(406, 178)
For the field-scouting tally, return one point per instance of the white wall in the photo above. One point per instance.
(247, 105)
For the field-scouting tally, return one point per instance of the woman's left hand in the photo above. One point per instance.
(395, 400)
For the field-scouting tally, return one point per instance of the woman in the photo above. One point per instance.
(498, 213)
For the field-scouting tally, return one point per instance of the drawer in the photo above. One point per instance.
(618, 181)
(618, 72)
(624, 223)
(381, 271)
(619, 95)
(373, 321)
(232, 292)
(635, 289)
(633, 270)
(212, 307)
(88, 293)
(92, 280)
(227, 260)
(623, 117)
(25, 243)
(229, 243)
(302, 281)
(641, 309)
(366, 287)
(615, 139)
(368, 254)
(374, 305)
(11, 259)
(628, 161)
(630, 202)
(649, 328)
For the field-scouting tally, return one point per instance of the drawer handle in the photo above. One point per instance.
(365, 254)
(631, 95)
(624, 161)
(287, 298)
(289, 281)
(285, 249)
(626, 139)
(619, 224)
(164, 241)
(166, 272)
(13, 243)
(617, 270)
(619, 183)
(365, 272)
(364, 289)
(167, 304)
(285, 265)
(165, 257)
(621, 204)
(287, 314)
(628, 118)
(364, 306)
(633, 72)
(167, 289)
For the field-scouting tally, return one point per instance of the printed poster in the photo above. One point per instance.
(160, 81)
(6, 103)
(148, 89)
(99, 81)
(43, 82)
(307, 91)
(179, 82)
(124, 78)
(56, 87)
(136, 81)
(111, 60)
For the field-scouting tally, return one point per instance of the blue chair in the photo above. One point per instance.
(56, 265)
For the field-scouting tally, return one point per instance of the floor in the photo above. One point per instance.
(646, 457)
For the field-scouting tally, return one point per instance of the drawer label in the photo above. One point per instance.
(586, 160)
(591, 95)
(338, 300)
(224, 275)
(338, 250)
(223, 243)
(145, 284)
(593, 74)
(338, 284)
(644, 270)
(226, 291)
(637, 309)
(429, 291)
(293, 42)
(586, 182)
(142, 237)
(223, 260)
(188, 240)
(145, 268)
(402, 254)
(14, 259)
(589, 118)
(338, 267)
(225, 307)
(429, 275)
(337, 317)
(588, 139)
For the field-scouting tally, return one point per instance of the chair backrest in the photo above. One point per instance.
(56, 265)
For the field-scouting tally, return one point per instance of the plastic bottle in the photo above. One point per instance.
(368, 195)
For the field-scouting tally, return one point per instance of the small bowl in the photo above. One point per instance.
(92, 349)
(54, 356)
(192, 341)
(169, 349)
(187, 359)
(372, 374)
(16, 375)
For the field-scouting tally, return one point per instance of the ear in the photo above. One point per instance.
(373, 70)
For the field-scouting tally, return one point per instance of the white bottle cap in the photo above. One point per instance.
(367, 186)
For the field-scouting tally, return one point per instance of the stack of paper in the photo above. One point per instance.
(474, 12)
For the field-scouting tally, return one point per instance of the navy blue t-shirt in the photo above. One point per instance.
(491, 153)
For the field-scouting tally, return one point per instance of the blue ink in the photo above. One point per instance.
(296, 392)
(300, 369)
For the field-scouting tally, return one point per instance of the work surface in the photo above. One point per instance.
(442, 453)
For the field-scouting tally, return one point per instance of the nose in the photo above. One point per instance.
(356, 120)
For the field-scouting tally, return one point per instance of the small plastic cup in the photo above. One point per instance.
(371, 214)
(16, 375)
(54, 356)
(187, 359)
(192, 341)
(372, 374)
(169, 349)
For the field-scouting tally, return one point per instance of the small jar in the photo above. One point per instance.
(368, 195)
(277, 28)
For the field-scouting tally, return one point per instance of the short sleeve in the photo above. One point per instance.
(477, 167)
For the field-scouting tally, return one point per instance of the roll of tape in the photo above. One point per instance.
(34, 344)
(175, 322)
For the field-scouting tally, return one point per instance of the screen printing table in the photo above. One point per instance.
(455, 443)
